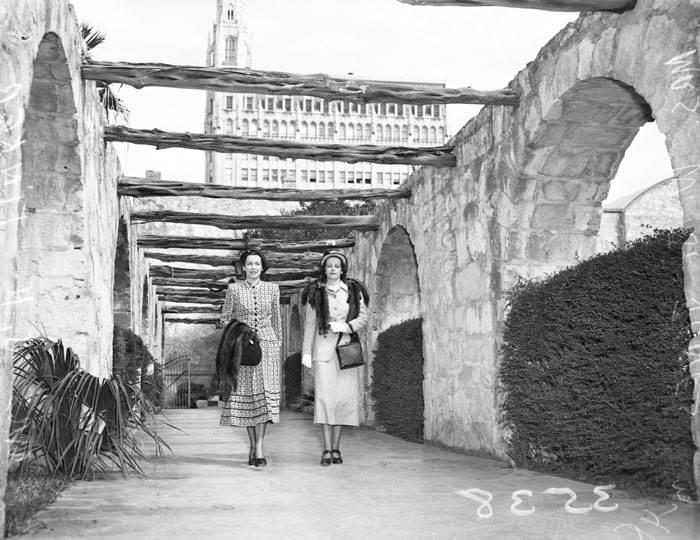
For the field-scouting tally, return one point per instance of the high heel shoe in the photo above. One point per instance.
(260, 462)
(325, 461)
(336, 460)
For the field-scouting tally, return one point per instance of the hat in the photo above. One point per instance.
(337, 254)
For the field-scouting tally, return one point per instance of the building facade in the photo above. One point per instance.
(305, 119)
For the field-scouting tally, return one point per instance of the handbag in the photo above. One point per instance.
(350, 354)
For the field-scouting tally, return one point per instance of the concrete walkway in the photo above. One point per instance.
(387, 488)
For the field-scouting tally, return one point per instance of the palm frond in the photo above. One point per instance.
(91, 37)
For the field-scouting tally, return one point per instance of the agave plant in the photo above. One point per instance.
(77, 423)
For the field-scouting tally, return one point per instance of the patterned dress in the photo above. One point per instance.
(257, 399)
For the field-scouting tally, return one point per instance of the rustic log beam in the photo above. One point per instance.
(307, 261)
(142, 187)
(358, 223)
(274, 274)
(437, 156)
(268, 245)
(183, 320)
(183, 282)
(548, 5)
(248, 81)
(190, 291)
(204, 310)
(186, 299)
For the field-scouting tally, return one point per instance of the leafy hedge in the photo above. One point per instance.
(595, 369)
(129, 354)
(397, 380)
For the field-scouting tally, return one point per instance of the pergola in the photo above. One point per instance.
(202, 291)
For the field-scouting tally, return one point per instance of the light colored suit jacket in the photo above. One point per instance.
(320, 347)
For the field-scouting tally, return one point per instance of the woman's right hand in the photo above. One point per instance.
(306, 360)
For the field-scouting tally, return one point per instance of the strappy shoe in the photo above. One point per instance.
(325, 461)
(336, 460)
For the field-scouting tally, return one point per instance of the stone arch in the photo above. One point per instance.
(568, 166)
(397, 296)
(51, 266)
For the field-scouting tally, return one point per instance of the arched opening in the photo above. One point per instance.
(396, 316)
(122, 279)
(51, 266)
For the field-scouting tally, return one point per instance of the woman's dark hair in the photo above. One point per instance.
(248, 252)
(343, 267)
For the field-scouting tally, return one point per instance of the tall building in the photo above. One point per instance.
(305, 119)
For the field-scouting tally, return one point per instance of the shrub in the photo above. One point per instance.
(595, 370)
(397, 380)
(131, 358)
(75, 423)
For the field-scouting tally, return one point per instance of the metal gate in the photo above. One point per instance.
(177, 382)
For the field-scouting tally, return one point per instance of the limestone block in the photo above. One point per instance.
(603, 53)
(472, 282)
(479, 318)
(587, 218)
(560, 190)
(552, 217)
(585, 58)
(565, 164)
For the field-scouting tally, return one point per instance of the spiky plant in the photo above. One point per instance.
(110, 101)
(78, 424)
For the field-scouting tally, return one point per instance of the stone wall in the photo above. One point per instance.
(56, 179)
(525, 199)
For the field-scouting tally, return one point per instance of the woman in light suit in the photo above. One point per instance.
(334, 305)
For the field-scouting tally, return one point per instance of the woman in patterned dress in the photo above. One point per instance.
(336, 305)
(257, 399)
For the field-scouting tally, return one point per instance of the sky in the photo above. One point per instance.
(379, 39)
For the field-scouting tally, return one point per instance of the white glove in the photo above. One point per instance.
(306, 360)
(339, 326)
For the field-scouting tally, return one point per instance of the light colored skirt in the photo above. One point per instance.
(336, 394)
(257, 399)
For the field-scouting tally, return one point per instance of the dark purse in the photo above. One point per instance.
(350, 354)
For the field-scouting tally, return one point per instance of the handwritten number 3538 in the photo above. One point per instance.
(486, 511)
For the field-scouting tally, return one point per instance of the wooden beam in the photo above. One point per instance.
(268, 245)
(132, 186)
(248, 81)
(307, 261)
(358, 223)
(190, 291)
(274, 274)
(186, 299)
(184, 282)
(204, 310)
(548, 5)
(436, 156)
(205, 320)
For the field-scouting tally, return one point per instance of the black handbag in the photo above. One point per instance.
(350, 354)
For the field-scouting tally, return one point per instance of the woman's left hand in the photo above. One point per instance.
(339, 326)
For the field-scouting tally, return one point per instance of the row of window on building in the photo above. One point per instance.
(250, 175)
(341, 131)
(317, 105)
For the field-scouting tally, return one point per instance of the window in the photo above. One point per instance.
(253, 175)
(397, 179)
(308, 104)
(266, 175)
(230, 51)
(391, 108)
(433, 135)
(363, 108)
(292, 175)
(304, 130)
(404, 132)
(321, 130)
(244, 175)
(368, 131)
(275, 129)
(249, 103)
(358, 177)
(351, 180)
(342, 132)
(340, 106)
(313, 130)
(436, 111)
(368, 178)
(330, 176)
(414, 108)
(279, 104)
(442, 134)
(287, 104)
(321, 176)
(341, 177)
(304, 176)
(419, 110)
(380, 178)
(399, 110)
(375, 108)
(292, 129)
(229, 127)
(351, 132)
(263, 103)
(424, 134)
(331, 129)
(387, 132)
(396, 133)
(254, 128)
(317, 105)
(229, 103)
(380, 132)
(230, 13)
(415, 134)
(266, 128)
(358, 131)
(275, 175)
(283, 129)
(326, 106)
(312, 176)
(382, 109)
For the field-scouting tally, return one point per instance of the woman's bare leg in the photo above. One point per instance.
(337, 430)
(259, 439)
